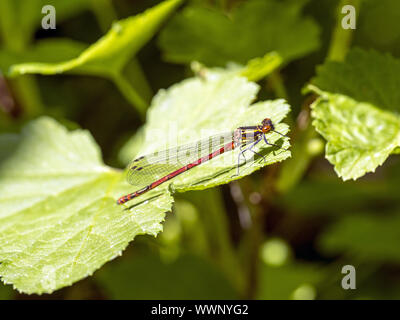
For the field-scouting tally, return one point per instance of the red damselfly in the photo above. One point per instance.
(148, 172)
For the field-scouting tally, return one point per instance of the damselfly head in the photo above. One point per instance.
(267, 125)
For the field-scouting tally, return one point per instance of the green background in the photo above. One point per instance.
(283, 232)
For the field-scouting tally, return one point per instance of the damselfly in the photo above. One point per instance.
(148, 172)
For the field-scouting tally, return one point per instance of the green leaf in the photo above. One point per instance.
(59, 220)
(254, 70)
(47, 50)
(251, 30)
(200, 107)
(258, 68)
(375, 238)
(187, 277)
(350, 112)
(360, 137)
(110, 54)
(366, 76)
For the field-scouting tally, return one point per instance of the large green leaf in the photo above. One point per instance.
(59, 221)
(251, 30)
(200, 107)
(110, 54)
(360, 136)
(354, 114)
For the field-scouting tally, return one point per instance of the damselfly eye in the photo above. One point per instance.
(267, 122)
(267, 125)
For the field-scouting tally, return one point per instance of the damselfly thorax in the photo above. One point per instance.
(245, 135)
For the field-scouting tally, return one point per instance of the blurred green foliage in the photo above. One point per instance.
(146, 276)
(247, 31)
(6, 292)
(285, 232)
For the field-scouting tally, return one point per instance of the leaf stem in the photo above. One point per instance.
(341, 38)
(134, 72)
(217, 226)
(251, 240)
(105, 14)
(277, 83)
(28, 95)
(130, 93)
(292, 169)
(15, 40)
(223, 4)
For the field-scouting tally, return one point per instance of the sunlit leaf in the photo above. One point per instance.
(254, 70)
(110, 54)
(353, 111)
(59, 220)
(359, 136)
(258, 68)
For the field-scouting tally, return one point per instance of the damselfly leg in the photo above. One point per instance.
(250, 148)
(271, 144)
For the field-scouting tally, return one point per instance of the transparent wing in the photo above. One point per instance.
(147, 169)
